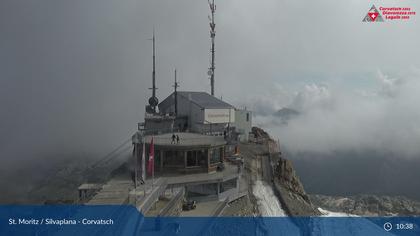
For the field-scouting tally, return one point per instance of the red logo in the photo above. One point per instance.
(389, 13)
(373, 15)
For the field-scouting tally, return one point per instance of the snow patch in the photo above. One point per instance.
(326, 213)
(268, 204)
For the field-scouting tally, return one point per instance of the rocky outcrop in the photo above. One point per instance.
(290, 190)
(287, 177)
(260, 133)
(279, 172)
(368, 205)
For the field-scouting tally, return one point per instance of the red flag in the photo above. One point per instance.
(151, 164)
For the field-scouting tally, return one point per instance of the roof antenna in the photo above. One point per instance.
(175, 86)
(212, 36)
(153, 101)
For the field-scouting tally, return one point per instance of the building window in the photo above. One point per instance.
(247, 117)
(191, 159)
(228, 185)
(174, 159)
(215, 156)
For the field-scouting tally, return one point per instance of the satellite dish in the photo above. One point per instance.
(153, 101)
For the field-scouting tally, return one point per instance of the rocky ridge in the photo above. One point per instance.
(291, 192)
(285, 182)
(368, 205)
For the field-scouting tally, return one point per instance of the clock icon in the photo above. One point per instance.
(387, 226)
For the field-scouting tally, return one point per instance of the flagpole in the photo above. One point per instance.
(151, 163)
(143, 163)
(136, 157)
(153, 166)
(136, 167)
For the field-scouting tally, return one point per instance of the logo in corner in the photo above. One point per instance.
(373, 15)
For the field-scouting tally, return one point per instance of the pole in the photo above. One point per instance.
(176, 85)
(153, 169)
(153, 163)
(229, 124)
(212, 36)
(143, 163)
(154, 67)
(136, 154)
(153, 101)
(136, 166)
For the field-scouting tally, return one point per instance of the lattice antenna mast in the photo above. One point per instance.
(212, 50)
(154, 66)
(175, 86)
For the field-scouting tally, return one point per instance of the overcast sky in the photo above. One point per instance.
(74, 75)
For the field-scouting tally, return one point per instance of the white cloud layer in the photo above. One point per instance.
(335, 119)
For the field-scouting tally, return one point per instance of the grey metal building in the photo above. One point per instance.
(201, 112)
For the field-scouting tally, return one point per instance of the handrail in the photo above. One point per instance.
(219, 210)
(171, 204)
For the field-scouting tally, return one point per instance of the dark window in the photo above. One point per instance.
(192, 158)
(247, 116)
(202, 157)
(215, 155)
(174, 159)
(227, 185)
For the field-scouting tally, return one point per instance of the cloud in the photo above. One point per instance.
(312, 96)
(74, 75)
(338, 119)
(274, 98)
(388, 85)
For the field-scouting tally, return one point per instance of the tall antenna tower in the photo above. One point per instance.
(176, 85)
(212, 36)
(153, 101)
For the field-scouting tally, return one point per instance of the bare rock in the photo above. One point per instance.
(291, 193)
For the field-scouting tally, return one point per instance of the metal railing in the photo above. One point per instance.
(172, 203)
(219, 210)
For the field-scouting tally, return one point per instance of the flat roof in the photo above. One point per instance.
(202, 99)
(185, 140)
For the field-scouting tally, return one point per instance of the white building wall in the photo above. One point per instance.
(217, 116)
(243, 124)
